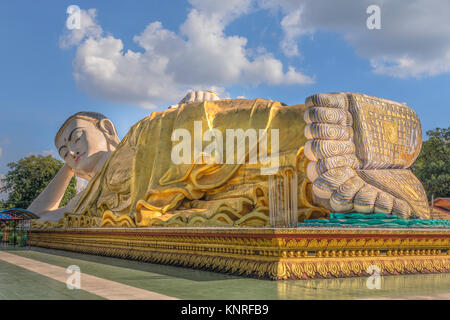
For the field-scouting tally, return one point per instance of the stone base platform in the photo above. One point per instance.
(269, 253)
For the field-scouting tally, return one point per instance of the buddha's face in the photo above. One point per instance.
(82, 144)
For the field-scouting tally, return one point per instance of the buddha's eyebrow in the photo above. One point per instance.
(70, 135)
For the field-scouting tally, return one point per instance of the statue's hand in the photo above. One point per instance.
(69, 170)
(196, 96)
(50, 198)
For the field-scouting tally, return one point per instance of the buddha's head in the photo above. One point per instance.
(83, 141)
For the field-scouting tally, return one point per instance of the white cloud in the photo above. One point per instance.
(1, 152)
(199, 56)
(414, 40)
(89, 28)
(291, 31)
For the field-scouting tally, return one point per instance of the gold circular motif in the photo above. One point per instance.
(310, 269)
(409, 265)
(356, 268)
(418, 265)
(345, 268)
(437, 264)
(297, 270)
(322, 269)
(428, 265)
(399, 266)
(333, 268)
(389, 267)
(365, 266)
(446, 264)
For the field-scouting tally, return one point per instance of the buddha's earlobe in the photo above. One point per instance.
(110, 131)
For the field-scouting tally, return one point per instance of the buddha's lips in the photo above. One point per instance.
(79, 157)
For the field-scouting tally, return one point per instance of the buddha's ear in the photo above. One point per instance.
(108, 128)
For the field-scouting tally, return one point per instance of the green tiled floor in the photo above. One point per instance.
(185, 283)
(20, 284)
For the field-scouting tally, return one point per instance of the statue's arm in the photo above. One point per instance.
(51, 197)
(57, 214)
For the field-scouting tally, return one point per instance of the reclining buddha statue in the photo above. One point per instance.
(338, 152)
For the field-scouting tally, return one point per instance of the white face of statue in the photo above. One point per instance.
(82, 145)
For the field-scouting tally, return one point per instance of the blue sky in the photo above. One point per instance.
(48, 73)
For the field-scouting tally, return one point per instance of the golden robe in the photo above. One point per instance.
(140, 185)
(348, 152)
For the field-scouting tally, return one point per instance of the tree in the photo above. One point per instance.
(28, 177)
(432, 166)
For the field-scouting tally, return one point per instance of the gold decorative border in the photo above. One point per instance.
(277, 254)
(257, 231)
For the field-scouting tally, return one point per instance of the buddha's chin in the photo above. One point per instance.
(87, 165)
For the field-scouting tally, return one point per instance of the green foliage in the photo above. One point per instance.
(28, 177)
(432, 167)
